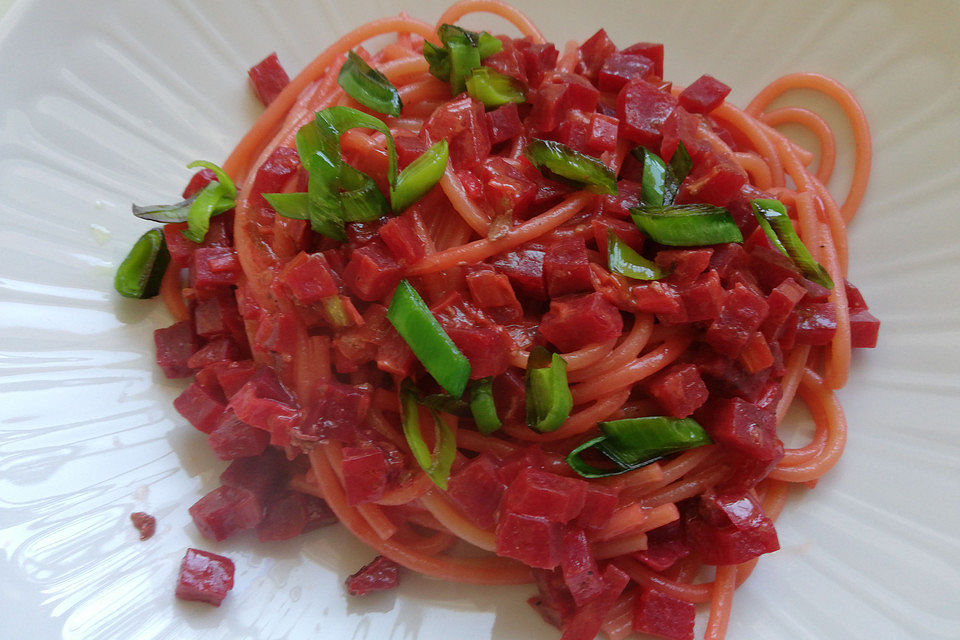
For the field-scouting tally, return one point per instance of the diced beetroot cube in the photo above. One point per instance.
(463, 124)
(284, 518)
(506, 188)
(684, 265)
(679, 390)
(263, 475)
(487, 348)
(504, 123)
(740, 316)
(730, 529)
(598, 506)
(703, 299)
(651, 51)
(547, 112)
(727, 377)
(338, 413)
(580, 95)
(509, 397)
(264, 412)
(580, 570)
(743, 426)
(471, 183)
(218, 315)
(818, 323)
(199, 180)
(492, 291)
(661, 615)
(533, 540)
(403, 240)
(217, 350)
(705, 94)
(268, 79)
(280, 167)
(361, 233)
(756, 355)
(642, 109)
(665, 545)
(524, 267)
(593, 52)
(618, 206)
(204, 577)
(364, 474)
(539, 493)
(714, 179)
(181, 249)
(510, 61)
(319, 513)
(410, 146)
(586, 622)
(682, 126)
(573, 131)
(232, 438)
(224, 512)
(531, 457)
(233, 375)
(201, 406)
(620, 68)
(602, 133)
(309, 278)
(372, 273)
(553, 602)
(772, 267)
(380, 575)
(574, 322)
(538, 59)
(566, 267)
(214, 267)
(780, 304)
(476, 490)
(277, 332)
(145, 524)
(657, 297)
(746, 471)
(175, 344)
(855, 300)
(864, 329)
(728, 258)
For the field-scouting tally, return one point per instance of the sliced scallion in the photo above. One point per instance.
(461, 53)
(572, 165)
(208, 201)
(661, 181)
(368, 86)
(436, 464)
(493, 88)
(140, 273)
(622, 259)
(772, 217)
(686, 225)
(549, 400)
(419, 176)
(482, 406)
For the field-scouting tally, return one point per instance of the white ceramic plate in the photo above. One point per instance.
(102, 103)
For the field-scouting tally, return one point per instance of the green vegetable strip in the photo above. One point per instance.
(461, 53)
(433, 347)
(681, 163)
(464, 58)
(573, 165)
(419, 177)
(656, 177)
(436, 464)
(140, 273)
(494, 89)
(772, 217)
(290, 205)
(688, 225)
(549, 400)
(202, 209)
(622, 259)
(438, 58)
(586, 470)
(229, 189)
(483, 407)
(368, 86)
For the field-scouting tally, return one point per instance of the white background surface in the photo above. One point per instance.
(102, 103)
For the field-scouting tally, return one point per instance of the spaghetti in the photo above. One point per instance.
(501, 252)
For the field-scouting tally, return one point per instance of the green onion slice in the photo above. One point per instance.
(290, 205)
(772, 217)
(549, 400)
(178, 212)
(464, 58)
(229, 189)
(493, 88)
(572, 165)
(636, 442)
(483, 407)
(409, 315)
(622, 259)
(436, 464)
(438, 58)
(661, 181)
(215, 198)
(681, 163)
(140, 273)
(461, 53)
(368, 86)
(208, 202)
(420, 176)
(686, 225)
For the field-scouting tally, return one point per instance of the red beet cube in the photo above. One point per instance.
(705, 94)
(487, 348)
(743, 426)
(175, 344)
(574, 322)
(772, 267)
(727, 377)
(524, 267)
(232, 439)
(585, 623)
(213, 267)
(657, 297)
(642, 109)
(504, 123)
(580, 570)
(506, 187)
(756, 355)
(476, 490)
(364, 474)
(402, 238)
(268, 79)
(218, 315)
(730, 529)
(217, 350)
(602, 133)
(566, 267)
(280, 167)
(204, 577)
(231, 376)
(277, 332)
(201, 406)
(780, 303)
(593, 52)
(492, 291)
(679, 390)
(319, 513)
(620, 68)
(665, 545)
(683, 265)
(309, 278)
(533, 540)
(703, 299)
(855, 300)
(338, 413)
(463, 123)
(742, 313)
(818, 323)
(284, 518)
(651, 51)
(181, 249)
(661, 615)
(262, 475)
(226, 511)
(864, 329)
(380, 575)
(372, 272)
(547, 495)
(598, 506)
(573, 131)
(714, 179)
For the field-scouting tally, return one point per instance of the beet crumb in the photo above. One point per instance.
(379, 575)
(204, 577)
(145, 523)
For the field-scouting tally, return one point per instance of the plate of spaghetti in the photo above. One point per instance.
(544, 322)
